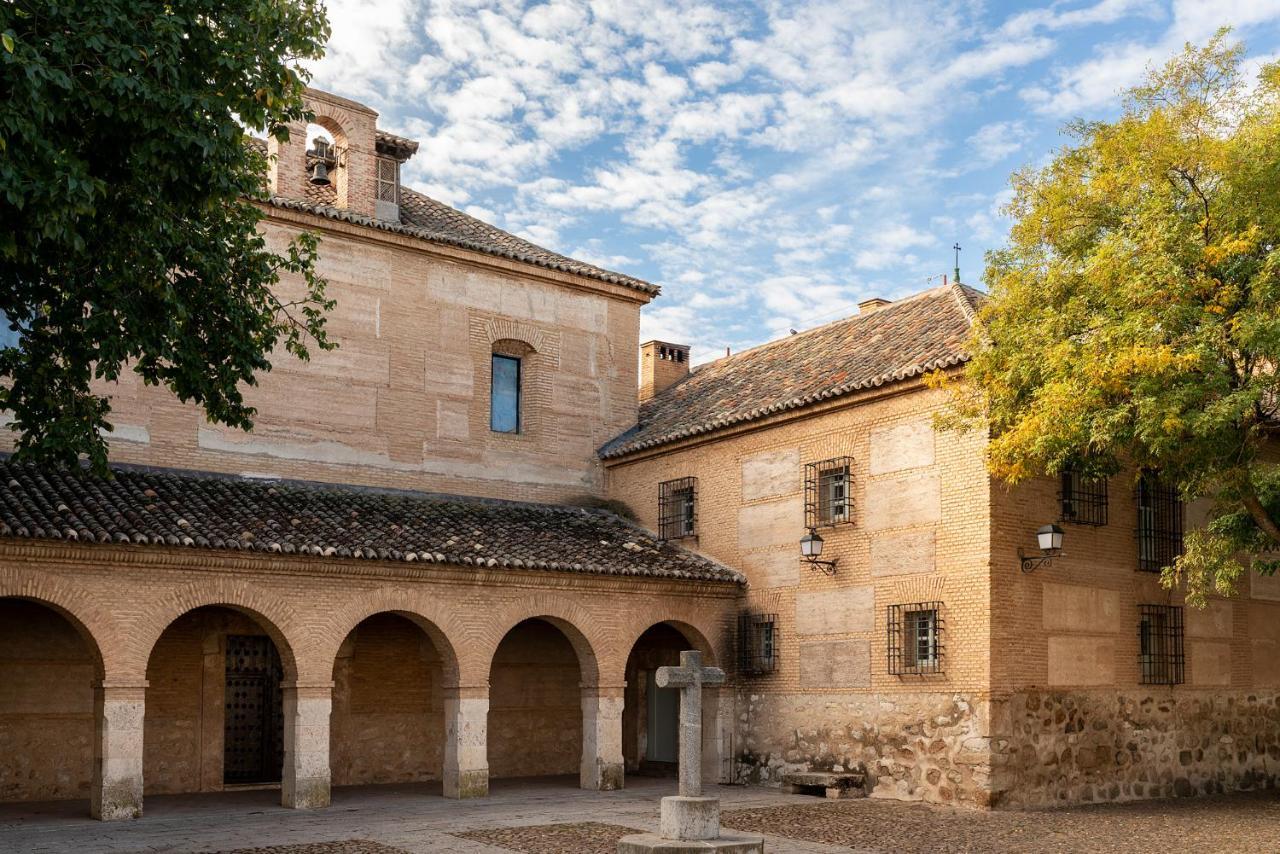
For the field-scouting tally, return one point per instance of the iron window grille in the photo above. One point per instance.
(916, 633)
(1159, 524)
(388, 180)
(1160, 647)
(1083, 500)
(757, 644)
(826, 493)
(677, 508)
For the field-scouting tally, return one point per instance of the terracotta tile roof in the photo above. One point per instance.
(904, 339)
(423, 217)
(168, 508)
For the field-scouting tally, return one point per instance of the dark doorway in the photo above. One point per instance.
(663, 743)
(651, 715)
(253, 745)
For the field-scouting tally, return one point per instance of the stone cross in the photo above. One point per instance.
(689, 677)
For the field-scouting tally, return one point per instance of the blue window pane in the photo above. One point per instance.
(504, 397)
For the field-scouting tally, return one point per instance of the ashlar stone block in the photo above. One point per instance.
(770, 474)
(902, 501)
(829, 612)
(902, 446)
(835, 664)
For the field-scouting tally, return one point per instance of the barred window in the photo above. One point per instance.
(388, 180)
(1160, 648)
(916, 638)
(1083, 500)
(677, 502)
(826, 493)
(1159, 524)
(757, 643)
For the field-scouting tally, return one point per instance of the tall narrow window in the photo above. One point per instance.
(388, 180)
(1160, 648)
(677, 503)
(1159, 524)
(504, 395)
(1083, 500)
(826, 492)
(915, 638)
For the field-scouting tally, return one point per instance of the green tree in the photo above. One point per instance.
(1134, 318)
(128, 225)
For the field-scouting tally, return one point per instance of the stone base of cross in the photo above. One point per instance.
(689, 821)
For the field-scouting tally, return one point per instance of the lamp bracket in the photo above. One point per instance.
(826, 567)
(1030, 563)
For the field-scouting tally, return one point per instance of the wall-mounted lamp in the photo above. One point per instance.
(811, 551)
(1049, 538)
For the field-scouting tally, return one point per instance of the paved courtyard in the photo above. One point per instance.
(551, 816)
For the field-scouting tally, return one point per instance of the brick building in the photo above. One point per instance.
(400, 574)
(924, 655)
(397, 576)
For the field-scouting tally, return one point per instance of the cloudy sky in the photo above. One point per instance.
(768, 163)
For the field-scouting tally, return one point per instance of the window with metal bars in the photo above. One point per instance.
(1160, 649)
(916, 639)
(677, 508)
(1083, 500)
(1159, 523)
(388, 180)
(757, 643)
(826, 493)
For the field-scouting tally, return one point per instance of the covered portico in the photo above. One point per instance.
(364, 637)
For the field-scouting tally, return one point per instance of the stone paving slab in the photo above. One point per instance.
(588, 837)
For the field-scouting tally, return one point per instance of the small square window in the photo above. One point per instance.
(1082, 500)
(504, 395)
(915, 638)
(677, 508)
(1160, 645)
(826, 492)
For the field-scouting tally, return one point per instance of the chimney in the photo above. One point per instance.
(874, 304)
(661, 365)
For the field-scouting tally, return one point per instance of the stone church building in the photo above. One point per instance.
(411, 571)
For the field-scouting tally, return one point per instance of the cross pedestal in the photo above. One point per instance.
(689, 821)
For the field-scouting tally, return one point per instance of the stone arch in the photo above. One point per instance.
(567, 616)
(428, 613)
(272, 613)
(77, 608)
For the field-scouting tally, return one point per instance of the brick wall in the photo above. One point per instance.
(919, 532)
(46, 705)
(404, 401)
(535, 720)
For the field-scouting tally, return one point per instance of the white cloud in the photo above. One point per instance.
(996, 141)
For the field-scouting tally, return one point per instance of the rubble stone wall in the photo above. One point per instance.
(1070, 747)
(932, 747)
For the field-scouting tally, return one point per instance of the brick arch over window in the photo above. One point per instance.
(573, 620)
(539, 352)
(423, 610)
(90, 622)
(273, 614)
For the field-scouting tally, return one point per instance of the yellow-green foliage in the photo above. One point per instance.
(1134, 317)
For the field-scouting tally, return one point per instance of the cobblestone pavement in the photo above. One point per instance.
(516, 817)
(1236, 823)
(587, 837)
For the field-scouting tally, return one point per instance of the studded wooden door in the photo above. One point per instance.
(253, 746)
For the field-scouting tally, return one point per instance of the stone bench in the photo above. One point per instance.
(848, 784)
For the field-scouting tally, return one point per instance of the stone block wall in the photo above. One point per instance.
(1070, 747)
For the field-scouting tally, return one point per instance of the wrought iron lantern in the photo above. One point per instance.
(811, 552)
(1049, 539)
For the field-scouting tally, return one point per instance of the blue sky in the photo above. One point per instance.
(769, 164)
